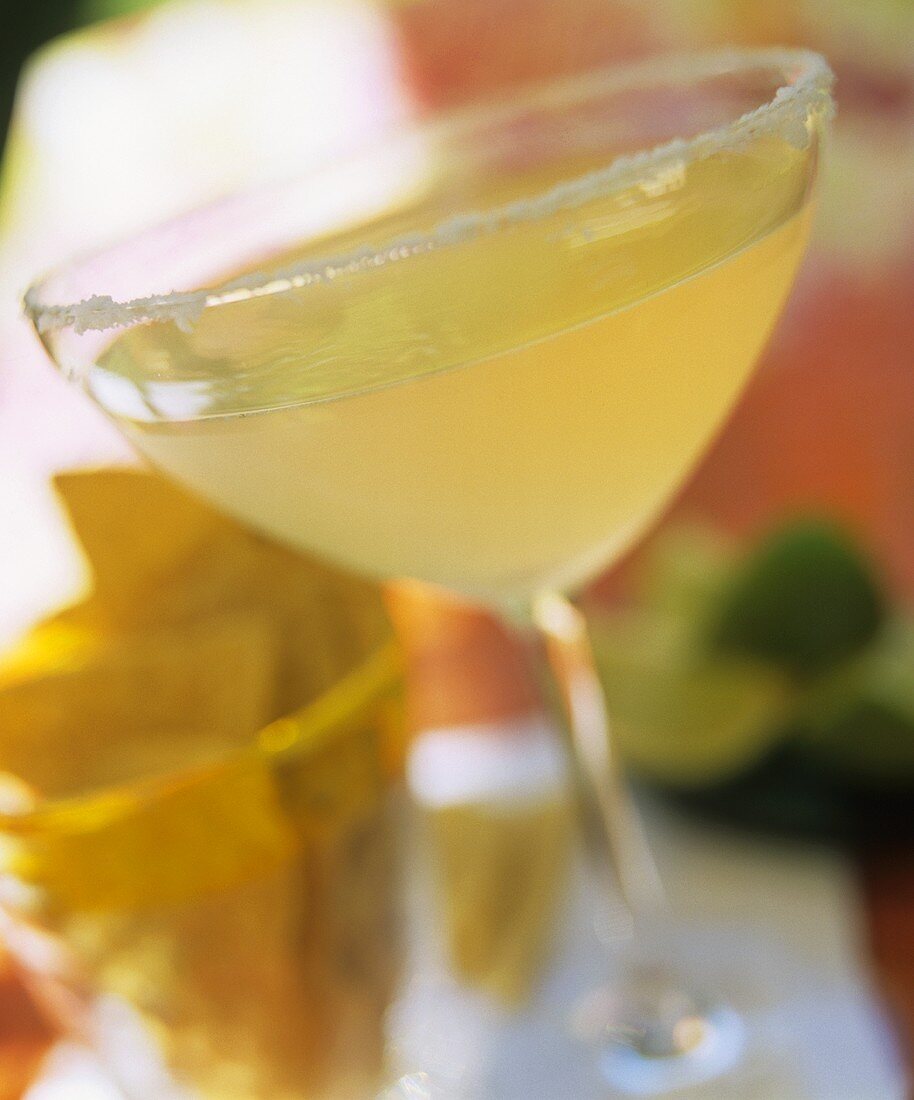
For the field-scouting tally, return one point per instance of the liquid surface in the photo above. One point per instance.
(497, 416)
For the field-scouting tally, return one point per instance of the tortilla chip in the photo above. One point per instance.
(136, 530)
(198, 563)
(137, 711)
(83, 711)
(154, 846)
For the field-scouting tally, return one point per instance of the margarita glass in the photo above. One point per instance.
(483, 354)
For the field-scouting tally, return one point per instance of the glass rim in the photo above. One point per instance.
(804, 84)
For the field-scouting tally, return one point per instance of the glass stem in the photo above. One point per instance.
(651, 1030)
(620, 840)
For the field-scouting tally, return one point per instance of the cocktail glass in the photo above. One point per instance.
(483, 354)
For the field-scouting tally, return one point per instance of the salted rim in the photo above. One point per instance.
(808, 82)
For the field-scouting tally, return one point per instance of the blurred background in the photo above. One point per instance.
(795, 538)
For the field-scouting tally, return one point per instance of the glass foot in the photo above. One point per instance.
(651, 1035)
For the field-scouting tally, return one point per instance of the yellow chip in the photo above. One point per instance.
(137, 531)
(153, 846)
(198, 563)
(80, 715)
(132, 718)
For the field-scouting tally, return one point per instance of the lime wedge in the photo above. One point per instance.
(859, 721)
(684, 717)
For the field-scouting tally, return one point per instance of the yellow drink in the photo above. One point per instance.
(496, 415)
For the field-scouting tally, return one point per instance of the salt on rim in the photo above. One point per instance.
(808, 87)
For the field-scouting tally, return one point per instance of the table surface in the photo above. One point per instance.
(807, 992)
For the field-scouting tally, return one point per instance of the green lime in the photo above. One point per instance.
(687, 574)
(805, 599)
(684, 717)
(859, 720)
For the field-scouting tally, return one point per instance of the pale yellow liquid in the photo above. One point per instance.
(499, 416)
